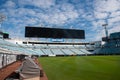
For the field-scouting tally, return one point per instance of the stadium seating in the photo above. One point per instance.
(78, 52)
(111, 47)
(47, 51)
(44, 49)
(57, 51)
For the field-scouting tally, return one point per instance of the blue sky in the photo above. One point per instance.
(88, 15)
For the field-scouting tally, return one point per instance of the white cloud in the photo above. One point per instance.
(100, 15)
(10, 4)
(107, 5)
(31, 21)
(66, 7)
(114, 19)
(21, 15)
(88, 17)
(59, 18)
(58, 15)
(114, 29)
(97, 24)
(115, 14)
(37, 3)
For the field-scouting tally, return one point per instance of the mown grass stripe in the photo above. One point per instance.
(82, 67)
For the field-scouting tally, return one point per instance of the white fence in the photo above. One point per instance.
(6, 59)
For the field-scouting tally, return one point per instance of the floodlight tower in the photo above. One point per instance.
(106, 31)
(2, 18)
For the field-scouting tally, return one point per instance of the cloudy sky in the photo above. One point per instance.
(88, 15)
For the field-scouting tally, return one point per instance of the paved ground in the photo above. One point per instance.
(6, 71)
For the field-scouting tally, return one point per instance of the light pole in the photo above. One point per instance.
(2, 18)
(106, 31)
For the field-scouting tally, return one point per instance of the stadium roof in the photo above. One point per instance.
(54, 43)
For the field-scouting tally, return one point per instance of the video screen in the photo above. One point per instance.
(42, 32)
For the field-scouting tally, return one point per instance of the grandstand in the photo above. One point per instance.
(44, 49)
(111, 45)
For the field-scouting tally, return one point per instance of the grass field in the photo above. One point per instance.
(82, 67)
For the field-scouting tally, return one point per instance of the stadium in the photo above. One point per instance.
(61, 60)
(59, 39)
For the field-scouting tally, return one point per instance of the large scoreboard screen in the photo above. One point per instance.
(43, 32)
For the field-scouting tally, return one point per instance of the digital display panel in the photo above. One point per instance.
(42, 32)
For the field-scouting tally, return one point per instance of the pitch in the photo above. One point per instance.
(82, 67)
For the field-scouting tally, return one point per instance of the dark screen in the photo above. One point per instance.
(42, 32)
(5, 35)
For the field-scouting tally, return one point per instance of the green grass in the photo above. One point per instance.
(82, 67)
